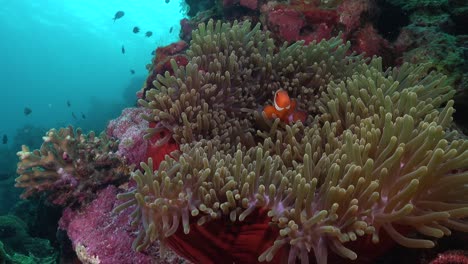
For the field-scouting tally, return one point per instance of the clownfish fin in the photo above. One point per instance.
(297, 116)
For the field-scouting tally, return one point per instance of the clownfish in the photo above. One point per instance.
(284, 108)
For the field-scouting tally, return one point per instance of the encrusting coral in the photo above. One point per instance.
(99, 236)
(129, 129)
(70, 166)
(375, 156)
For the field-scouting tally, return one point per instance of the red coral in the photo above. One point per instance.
(319, 16)
(322, 23)
(252, 4)
(299, 20)
(158, 151)
(320, 32)
(165, 65)
(186, 29)
(302, 22)
(221, 241)
(369, 41)
(451, 257)
(351, 14)
(172, 49)
(288, 23)
(162, 62)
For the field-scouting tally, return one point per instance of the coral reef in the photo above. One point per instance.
(70, 166)
(453, 256)
(236, 74)
(17, 246)
(129, 128)
(93, 228)
(396, 30)
(364, 158)
(304, 20)
(301, 21)
(161, 63)
(288, 21)
(437, 34)
(429, 38)
(160, 144)
(375, 162)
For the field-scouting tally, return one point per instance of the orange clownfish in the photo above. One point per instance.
(284, 108)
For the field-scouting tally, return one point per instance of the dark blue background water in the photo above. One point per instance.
(54, 51)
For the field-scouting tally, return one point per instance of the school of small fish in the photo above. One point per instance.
(119, 14)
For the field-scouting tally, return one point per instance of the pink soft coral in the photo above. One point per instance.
(97, 233)
(130, 128)
(451, 257)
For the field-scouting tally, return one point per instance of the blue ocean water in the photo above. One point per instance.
(54, 51)
(63, 60)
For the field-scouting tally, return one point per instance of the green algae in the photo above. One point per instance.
(18, 247)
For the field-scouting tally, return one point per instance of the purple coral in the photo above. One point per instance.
(451, 257)
(130, 128)
(98, 234)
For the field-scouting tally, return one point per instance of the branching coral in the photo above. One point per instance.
(70, 166)
(375, 156)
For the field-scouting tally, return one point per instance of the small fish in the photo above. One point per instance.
(83, 115)
(5, 139)
(27, 111)
(123, 49)
(118, 15)
(153, 52)
(170, 30)
(148, 34)
(68, 103)
(167, 1)
(136, 30)
(74, 116)
(132, 71)
(284, 108)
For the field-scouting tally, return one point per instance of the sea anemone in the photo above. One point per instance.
(377, 155)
